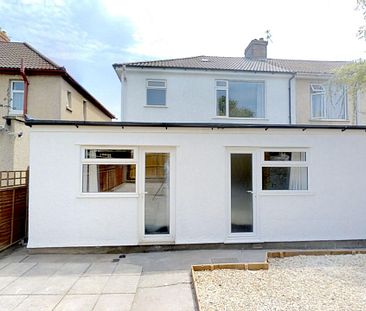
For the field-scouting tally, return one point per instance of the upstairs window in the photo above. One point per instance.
(328, 102)
(17, 97)
(156, 92)
(240, 99)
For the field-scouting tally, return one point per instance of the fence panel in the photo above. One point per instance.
(13, 207)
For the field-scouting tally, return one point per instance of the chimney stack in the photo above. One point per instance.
(257, 49)
(3, 36)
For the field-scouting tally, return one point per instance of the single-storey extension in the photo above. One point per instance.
(129, 183)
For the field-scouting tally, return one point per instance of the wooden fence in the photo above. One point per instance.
(13, 207)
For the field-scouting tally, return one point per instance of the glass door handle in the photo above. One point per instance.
(250, 191)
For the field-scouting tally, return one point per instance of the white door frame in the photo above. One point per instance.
(157, 238)
(238, 237)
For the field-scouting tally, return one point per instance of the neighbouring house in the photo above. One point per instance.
(209, 150)
(32, 84)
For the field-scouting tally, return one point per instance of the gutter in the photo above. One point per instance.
(32, 122)
(289, 99)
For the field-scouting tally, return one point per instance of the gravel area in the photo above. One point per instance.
(292, 283)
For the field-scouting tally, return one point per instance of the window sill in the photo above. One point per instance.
(239, 118)
(329, 120)
(155, 106)
(16, 113)
(104, 195)
(68, 108)
(242, 238)
(285, 192)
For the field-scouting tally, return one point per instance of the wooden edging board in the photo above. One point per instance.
(264, 265)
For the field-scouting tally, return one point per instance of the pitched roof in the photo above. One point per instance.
(309, 66)
(13, 53)
(241, 64)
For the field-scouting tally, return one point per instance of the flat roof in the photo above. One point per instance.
(221, 125)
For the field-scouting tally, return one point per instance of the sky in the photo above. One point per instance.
(87, 37)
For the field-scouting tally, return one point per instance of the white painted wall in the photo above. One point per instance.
(333, 209)
(191, 96)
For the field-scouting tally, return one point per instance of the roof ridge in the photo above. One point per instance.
(42, 56)
(309, 60)
(158, 60)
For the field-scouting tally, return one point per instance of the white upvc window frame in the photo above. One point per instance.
(317, 89)
(132, 161)
(226, 88)
(164, 87)
(69, 100)
(264, 163)
(12, 92)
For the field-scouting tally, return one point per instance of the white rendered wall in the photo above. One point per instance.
(333, 209)
(191, 96)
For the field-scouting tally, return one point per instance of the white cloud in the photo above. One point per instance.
(50, 25)
(312, 29)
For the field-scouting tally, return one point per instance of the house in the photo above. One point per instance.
(209, 150)
(32, 84)
(183, 90)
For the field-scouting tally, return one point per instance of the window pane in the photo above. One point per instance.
(109, 178)
(157, 196)
(241, 193)
(317, 87)
(221, 83)
(108, 154)
(221, 102)
(156, 83)
(17, 102)
(317, 102)
(246, 99)
(156, 96)
(285, 156)
(18, 86)
(284, 178)
(336, 102)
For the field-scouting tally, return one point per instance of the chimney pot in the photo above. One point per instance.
(256, 49)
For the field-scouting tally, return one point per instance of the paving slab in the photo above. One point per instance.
(101, 268)
(39, 303)
(16, 269)
(6, 281)
(43, 269)
(121, 284)
(114, 302)
(125, 268)
(89, 285)
(56, 285)
(8, 303)
(156, 279)
(24, 285)
(175, 297)
(77, 303)
(72, 269)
